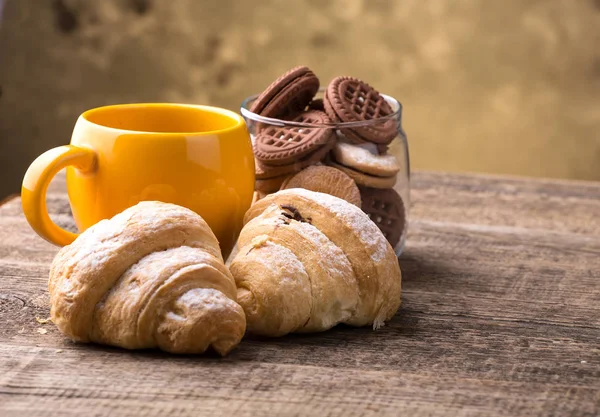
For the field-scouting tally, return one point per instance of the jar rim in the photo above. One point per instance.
(396, 105)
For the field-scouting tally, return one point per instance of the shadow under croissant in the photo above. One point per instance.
(291, 347)
(338, 347)
(418, 265)
(151, 354)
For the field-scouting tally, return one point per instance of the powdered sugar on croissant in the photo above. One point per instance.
(152, 276)
(308, 261)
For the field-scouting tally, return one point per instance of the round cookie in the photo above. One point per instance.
(349, 99)
(327, 180)
(365, 179)
(282, 145)
(365, 158)
(289, 94)
(386, 209)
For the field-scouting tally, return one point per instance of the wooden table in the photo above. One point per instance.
(500, 316)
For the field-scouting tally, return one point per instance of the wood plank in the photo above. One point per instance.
(45, 382)
(424, 343)
(542, 205)
(500, 315)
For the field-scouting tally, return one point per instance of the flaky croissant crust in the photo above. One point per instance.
(152, 276)
(308, 261)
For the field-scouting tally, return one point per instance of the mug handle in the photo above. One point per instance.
(35, 184)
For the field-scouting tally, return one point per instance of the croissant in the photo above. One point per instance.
(308, 261)
(152, 276)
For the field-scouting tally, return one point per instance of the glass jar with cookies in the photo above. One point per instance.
(345, 139)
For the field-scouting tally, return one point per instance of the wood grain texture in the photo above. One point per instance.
(500, 316)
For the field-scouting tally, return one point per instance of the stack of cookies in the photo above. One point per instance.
(350, 161)
(282, 151)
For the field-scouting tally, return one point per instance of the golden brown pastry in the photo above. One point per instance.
(308, 261)
(152, 276)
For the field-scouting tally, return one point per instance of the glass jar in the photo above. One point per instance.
(381, 172)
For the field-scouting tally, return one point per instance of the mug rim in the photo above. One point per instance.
(238, 120)
(246, 113)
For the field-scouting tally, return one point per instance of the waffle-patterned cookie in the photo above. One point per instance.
(386, 209)
(349, 99)
(279, 145)
(287, 95)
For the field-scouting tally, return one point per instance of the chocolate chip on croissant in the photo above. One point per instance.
(152, 276)
(308, 261)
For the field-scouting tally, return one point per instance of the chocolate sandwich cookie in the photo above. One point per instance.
(386, 209)
(348, 99)
(287, 95)
(282, 145)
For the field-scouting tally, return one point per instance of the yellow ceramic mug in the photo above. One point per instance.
(195, 156)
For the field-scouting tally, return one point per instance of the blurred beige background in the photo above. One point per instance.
(493, 86)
